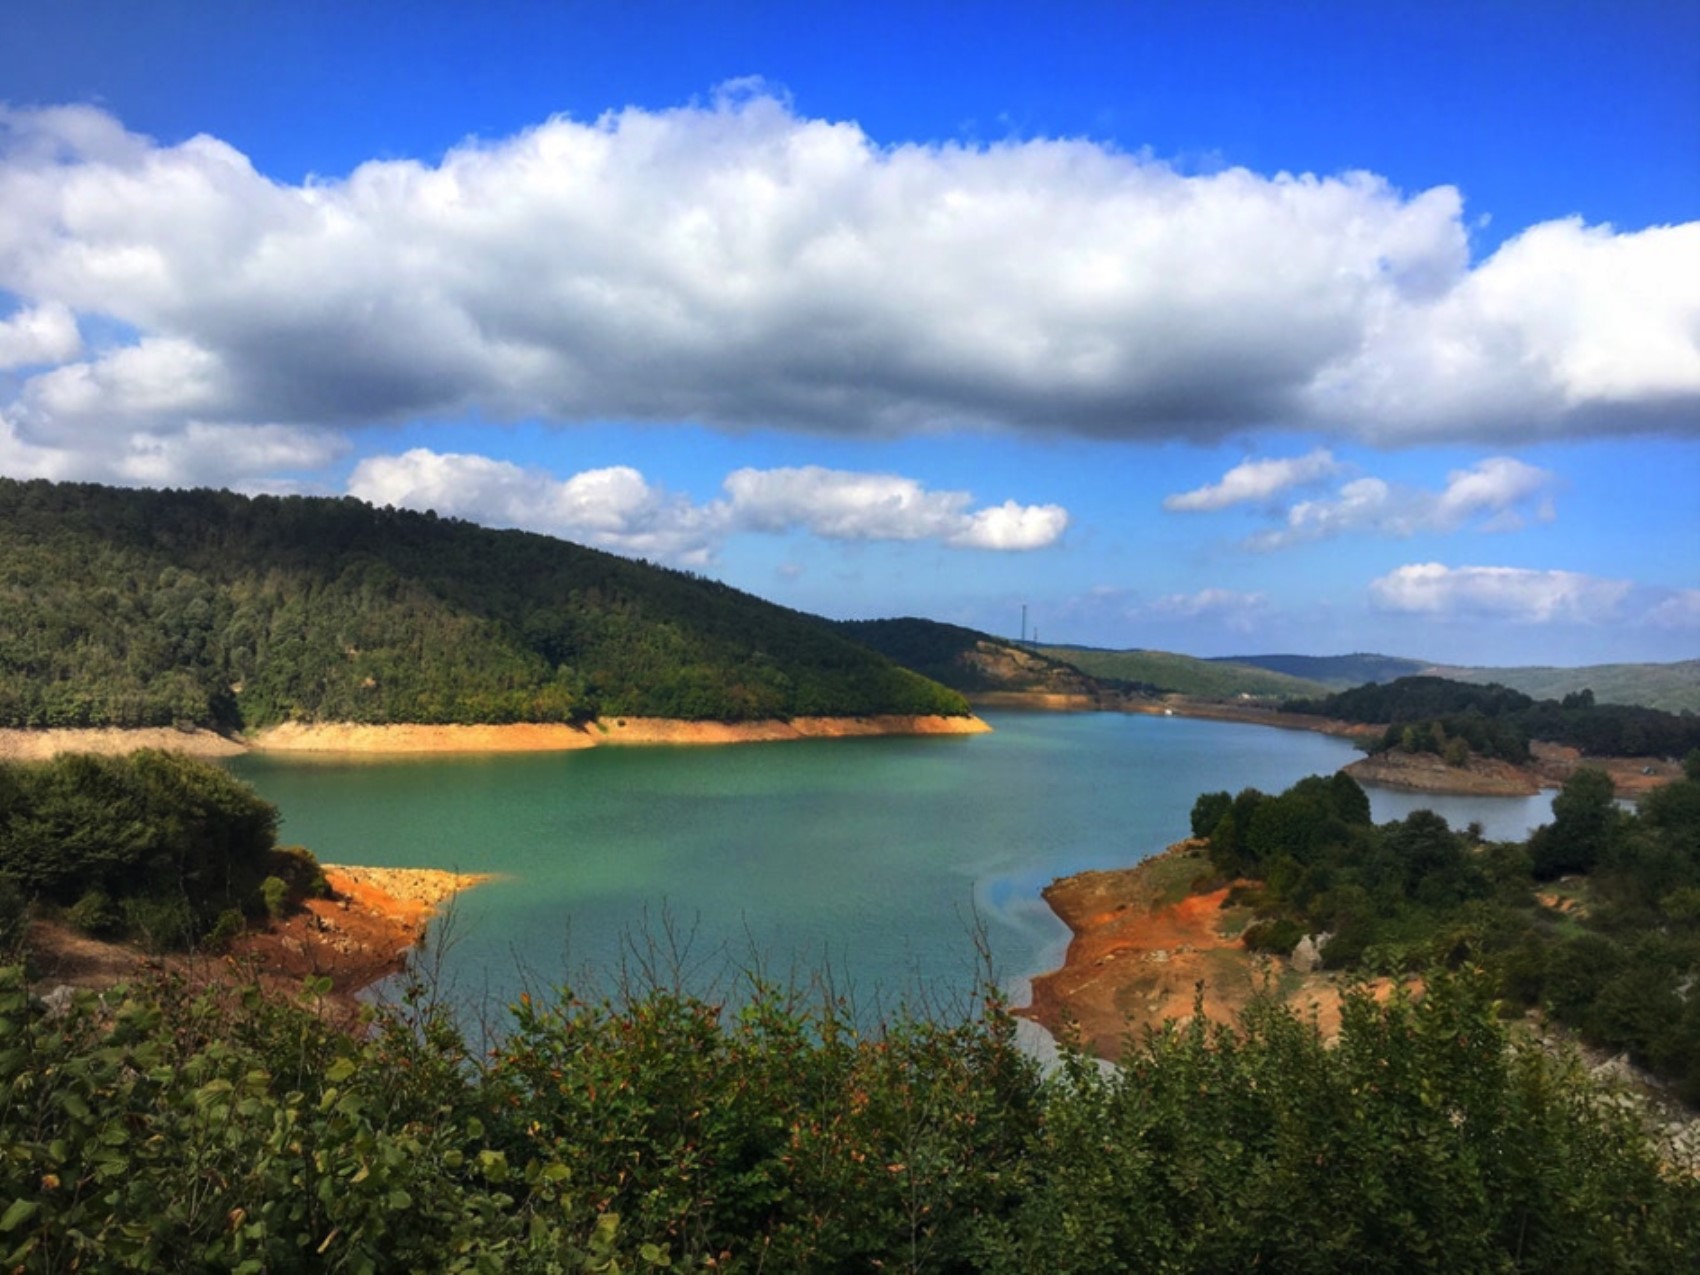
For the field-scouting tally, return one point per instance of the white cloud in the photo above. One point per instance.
(1681, 610)
(1238, 611)
(45, 334)
(1256, 480)
(1495, 494)
(1566, 330)
(1510, 593)
(618, 509)
(1493, 487)
(841, 505)
(614, 508)
(211, 455)
(199, 453)
(739, 264)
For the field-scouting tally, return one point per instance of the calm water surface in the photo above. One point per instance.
(872, 857)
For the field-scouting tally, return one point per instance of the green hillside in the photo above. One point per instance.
(146, 608)
(1672, 687)
(1338, 672)
(970, 661)
(1183, 674)
(1499, 722)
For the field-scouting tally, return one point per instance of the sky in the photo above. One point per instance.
(1214, 328)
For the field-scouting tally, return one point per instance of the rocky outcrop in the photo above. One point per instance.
(1425, 772)
(1307, 956)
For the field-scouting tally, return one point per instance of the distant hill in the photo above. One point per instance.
(1500, 721)
(972, 662)
(154, 608)
(1186, 675)
(1338, 672)
(1672, 687)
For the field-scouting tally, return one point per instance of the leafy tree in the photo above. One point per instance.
(1583, 825)
(159, 838)
(1208, 811)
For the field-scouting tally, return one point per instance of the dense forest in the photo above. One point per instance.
(1596, 919)
(148, 608)
(1424, 713)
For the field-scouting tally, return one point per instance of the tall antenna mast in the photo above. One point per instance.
(1024, 623)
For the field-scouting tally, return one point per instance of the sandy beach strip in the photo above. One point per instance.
(333, 737)
(353, 738)
(43, 745)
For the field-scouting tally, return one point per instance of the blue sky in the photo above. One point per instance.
(1220, 328)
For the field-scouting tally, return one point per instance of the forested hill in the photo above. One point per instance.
(975, 663)
(1185, 674)
(147, 608)
(1499, 722)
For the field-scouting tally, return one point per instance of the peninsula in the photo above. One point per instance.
(1594, 922)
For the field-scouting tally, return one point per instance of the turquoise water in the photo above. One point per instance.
(876, 859)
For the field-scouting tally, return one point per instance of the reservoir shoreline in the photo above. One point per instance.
(520, 737)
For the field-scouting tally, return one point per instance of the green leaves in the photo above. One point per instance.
(662, 1133)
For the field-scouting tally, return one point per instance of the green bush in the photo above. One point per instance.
(14, 917)
(159, 924)
(1278, 936)
(300, 870)
(225, 931)
(274, 894)
(146, 827)
(164, 1132)
(95, 914)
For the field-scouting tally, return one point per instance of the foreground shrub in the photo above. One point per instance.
(161, 1132)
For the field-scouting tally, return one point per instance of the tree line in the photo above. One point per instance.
(1425, 714)
(205, 608)
(1595, 919)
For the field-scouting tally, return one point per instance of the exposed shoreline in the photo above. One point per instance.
(43, 745)
(350, 737)
(1147, 947)
(363, 933)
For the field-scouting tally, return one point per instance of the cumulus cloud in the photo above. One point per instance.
(1256, 480)
(1680, 610)
(1567, 329)
(841, 505)
(1496, 494)
(1508, 593)
(198, 453)
(617, 508)
(45, 334)
(739, 264)
(1239, 611)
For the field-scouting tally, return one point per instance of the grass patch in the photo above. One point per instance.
(1231, 922)
(1169, 879)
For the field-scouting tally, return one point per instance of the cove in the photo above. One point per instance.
(873, 859)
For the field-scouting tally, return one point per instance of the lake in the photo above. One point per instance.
(875, 859)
